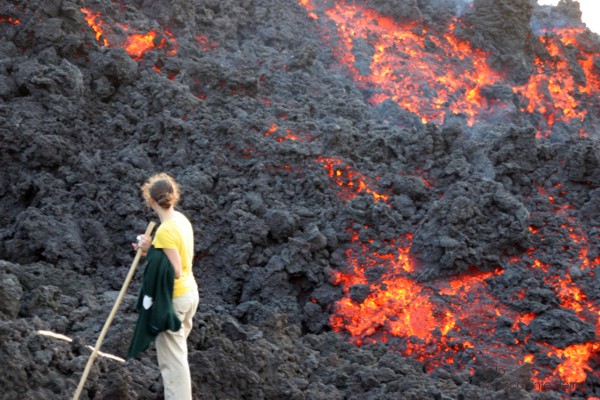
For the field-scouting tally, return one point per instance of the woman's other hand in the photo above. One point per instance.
(143, 243)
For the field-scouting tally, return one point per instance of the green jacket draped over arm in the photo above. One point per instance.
(154, 303)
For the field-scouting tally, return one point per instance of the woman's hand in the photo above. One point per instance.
(143, 243)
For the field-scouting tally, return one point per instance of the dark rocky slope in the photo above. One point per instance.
(82, 125)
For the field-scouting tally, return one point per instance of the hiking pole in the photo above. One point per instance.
(88, 366)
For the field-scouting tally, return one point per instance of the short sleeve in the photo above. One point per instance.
(166, 237)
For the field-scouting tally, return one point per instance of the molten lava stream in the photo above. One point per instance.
(449, 322)
(551, 90)
(446, 322)
(430, 83)
(455, 321)
(94, 21)
(433, 73)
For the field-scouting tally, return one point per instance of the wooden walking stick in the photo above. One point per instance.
(134, 265)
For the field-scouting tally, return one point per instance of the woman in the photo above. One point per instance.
(175, 237)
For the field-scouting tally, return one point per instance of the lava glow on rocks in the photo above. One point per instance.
(456, 321)
(135, 44)
(436, 74)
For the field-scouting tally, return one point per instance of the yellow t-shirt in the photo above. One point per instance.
(178, 234)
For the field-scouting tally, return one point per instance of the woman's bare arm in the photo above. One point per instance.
(175, 259)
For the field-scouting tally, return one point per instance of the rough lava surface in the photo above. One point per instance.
(246, 104)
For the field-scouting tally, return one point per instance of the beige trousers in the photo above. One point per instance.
(171, 349)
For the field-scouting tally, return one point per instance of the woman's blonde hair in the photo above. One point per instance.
(161, 188)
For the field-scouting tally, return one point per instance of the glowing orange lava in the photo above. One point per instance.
(352, 181)
(94, 21)
(455, 321)
(417, 80)
(575, 361)
(398, 307)
(135, 44)
(435, 74)
(552, 90)
(290, 135)
(10, 20)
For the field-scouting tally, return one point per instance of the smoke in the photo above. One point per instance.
(461, 5)
(434, 7)
(564, 14)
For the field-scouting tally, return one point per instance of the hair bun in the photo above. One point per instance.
(163, 189)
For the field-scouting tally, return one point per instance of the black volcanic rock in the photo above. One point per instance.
(503, 28)
(244, 103)
(474, 223)
(10, 295)
(561, 328)
(399, 9)
(359, 293)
